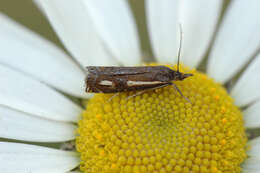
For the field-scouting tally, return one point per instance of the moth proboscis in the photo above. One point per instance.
(101, 79)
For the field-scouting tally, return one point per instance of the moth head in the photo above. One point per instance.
(181, 76)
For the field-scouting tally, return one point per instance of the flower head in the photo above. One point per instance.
(160, 131)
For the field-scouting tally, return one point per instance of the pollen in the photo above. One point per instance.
(160, 131)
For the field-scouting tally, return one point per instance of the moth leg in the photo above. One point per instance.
(116, 94)
(143, 91)
(138, 93)
(179, 91)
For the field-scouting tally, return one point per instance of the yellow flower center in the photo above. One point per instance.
(160, 131)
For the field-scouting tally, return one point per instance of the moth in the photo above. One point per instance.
(100, 79)
(121, 79)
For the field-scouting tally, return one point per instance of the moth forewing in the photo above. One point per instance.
(121, 79)
(140, 83)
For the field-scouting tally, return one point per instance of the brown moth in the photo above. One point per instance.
(102, 79)
(120, 79)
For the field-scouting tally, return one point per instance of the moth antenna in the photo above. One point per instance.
(180, 46)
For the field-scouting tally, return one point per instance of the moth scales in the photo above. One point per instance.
(112, 79)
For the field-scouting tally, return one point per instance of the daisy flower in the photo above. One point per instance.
(158, 131)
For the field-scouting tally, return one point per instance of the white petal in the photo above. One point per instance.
(25, 94)
(75, 28)
(252, 116)
(115, 24)
(237, 40)
(24, 158)
(247, 88)
(21, 126)
(254, 150)
(162, 19)
(28, 52)
(199, 19)
(252, 163)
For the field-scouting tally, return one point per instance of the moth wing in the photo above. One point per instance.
(118, 71)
